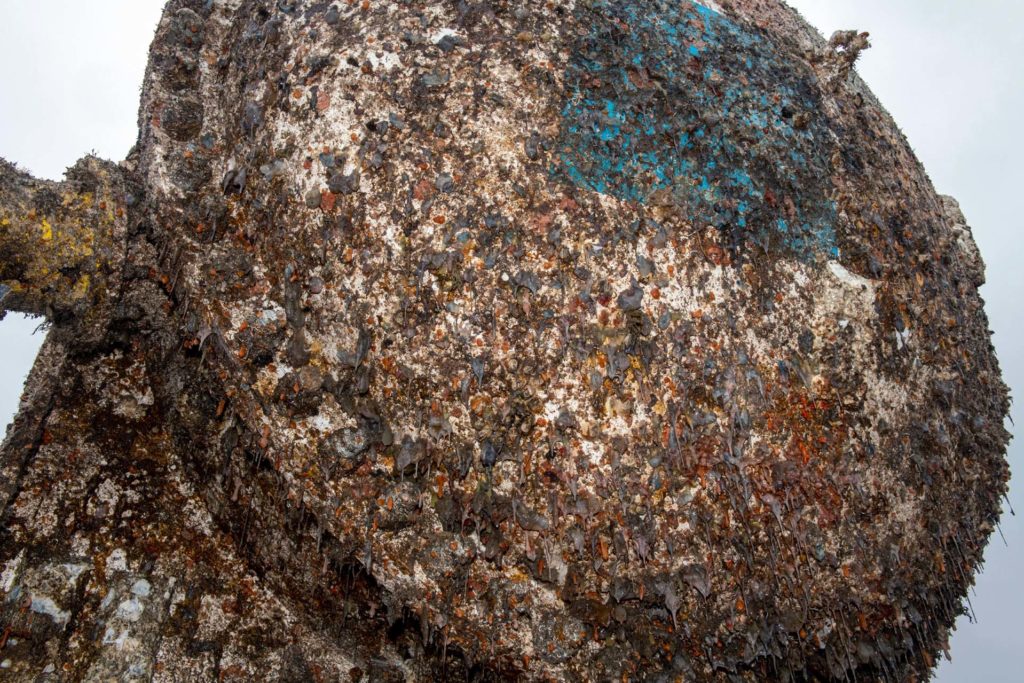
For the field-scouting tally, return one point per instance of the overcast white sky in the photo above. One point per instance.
(948, 70)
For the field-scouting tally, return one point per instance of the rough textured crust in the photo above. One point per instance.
(566, 341)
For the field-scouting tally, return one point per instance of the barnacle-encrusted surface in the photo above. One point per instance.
(59, 242)
(574, 341)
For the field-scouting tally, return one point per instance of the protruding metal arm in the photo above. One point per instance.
(59, 242)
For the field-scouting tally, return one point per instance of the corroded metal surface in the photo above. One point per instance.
(584, 341)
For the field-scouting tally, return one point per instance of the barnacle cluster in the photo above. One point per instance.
(560, 341)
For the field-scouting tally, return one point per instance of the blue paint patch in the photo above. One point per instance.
(677, 98)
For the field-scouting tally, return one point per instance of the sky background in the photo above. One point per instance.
(949, 71)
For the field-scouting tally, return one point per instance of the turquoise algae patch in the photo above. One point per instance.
(672, 102)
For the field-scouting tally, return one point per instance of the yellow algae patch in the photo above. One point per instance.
(56, 257)
(81, 287)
